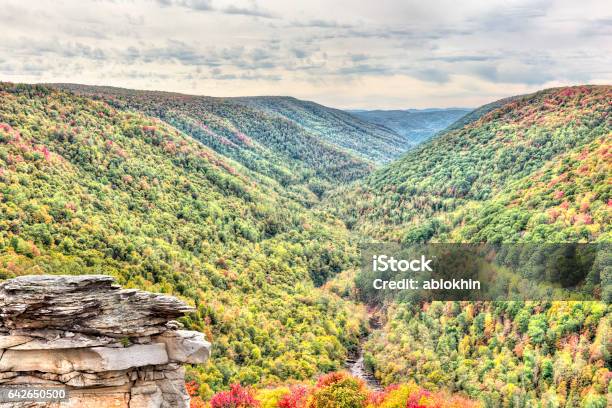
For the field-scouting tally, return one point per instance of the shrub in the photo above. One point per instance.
(412, 396)
(270, 398)
(192, 390)
(236, 397)
(296, 398)
(338, 390)
(397, 396)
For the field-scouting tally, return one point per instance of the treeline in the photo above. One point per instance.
(337, 390)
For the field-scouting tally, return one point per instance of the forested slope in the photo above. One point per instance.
(481, 111)
(569, 199)
(211, 199)
(305, 147)
(534, 169)
(430, 190)
(87, 188)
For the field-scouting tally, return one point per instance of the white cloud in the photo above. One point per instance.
(392, 54)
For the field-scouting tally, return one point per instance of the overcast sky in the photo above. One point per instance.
(348, 54)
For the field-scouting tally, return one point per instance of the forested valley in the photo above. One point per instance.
(531, 170)
(251, 210)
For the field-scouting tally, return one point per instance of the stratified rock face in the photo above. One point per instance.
(91, 304)
(110, 347)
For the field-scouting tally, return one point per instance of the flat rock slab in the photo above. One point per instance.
(93, 360)
(90, 304)
(76, 341)
(8, 341)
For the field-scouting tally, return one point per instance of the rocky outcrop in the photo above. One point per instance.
(109, 347)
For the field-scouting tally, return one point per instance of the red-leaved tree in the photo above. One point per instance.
(296, 398)
(237, 397)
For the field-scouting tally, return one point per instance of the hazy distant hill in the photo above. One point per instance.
(369, 140)
(414, 125)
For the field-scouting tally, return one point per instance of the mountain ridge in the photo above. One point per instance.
(471, 164)
(415, 125)
(308, 114)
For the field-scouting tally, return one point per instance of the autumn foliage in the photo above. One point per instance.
(236, 397)
(295, 398)
(192, 390)
(341, 390)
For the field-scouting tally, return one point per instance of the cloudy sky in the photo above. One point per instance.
(342, 53)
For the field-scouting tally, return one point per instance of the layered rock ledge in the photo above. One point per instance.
(110, 347)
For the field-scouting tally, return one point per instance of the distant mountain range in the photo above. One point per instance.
(414, 125)
(363, 137)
